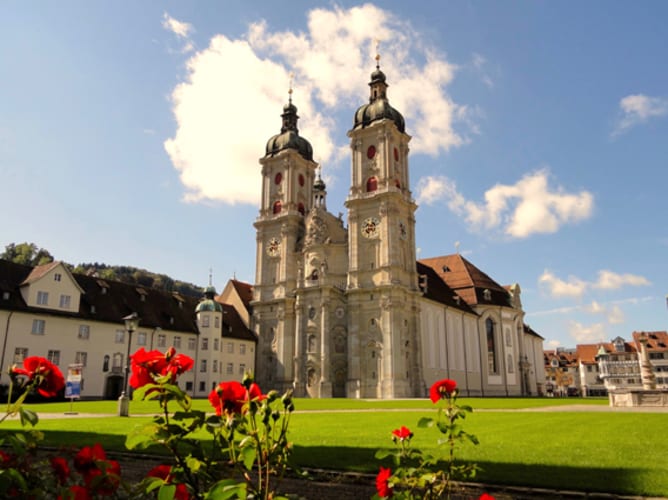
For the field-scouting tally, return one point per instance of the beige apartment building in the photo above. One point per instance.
(73, 319)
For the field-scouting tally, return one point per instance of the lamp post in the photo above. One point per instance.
(131, 323)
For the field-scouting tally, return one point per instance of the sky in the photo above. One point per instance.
(130, 134)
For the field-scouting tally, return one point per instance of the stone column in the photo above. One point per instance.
(325, 361)
(298, 383)
(646, 371)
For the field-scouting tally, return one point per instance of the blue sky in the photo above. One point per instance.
(130, 134)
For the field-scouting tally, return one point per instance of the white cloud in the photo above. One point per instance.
(479, 63)
(234, 92)
(607, 280)
(553, 344)
(587, 334)
(527, 207)
(179, 28)
(616, 316)
(576, 287)
(637, 109)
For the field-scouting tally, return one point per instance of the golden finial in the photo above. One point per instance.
(292, 77)
(210, 276)
(377, 42)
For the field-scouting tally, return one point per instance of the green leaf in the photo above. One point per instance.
(247, 455)
(426, 422)
(167, 492)
(28, 416)
(194, 464)
(142, 437)
(140, 393)
(227, 488)
(381, 454)
(152, 483)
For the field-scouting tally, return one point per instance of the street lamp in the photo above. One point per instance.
(131, 323)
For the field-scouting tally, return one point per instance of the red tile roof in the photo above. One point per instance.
(467, 280)
(245, 291)
(656, 341)
(39, 271)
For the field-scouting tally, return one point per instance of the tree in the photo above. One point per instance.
(27, 254)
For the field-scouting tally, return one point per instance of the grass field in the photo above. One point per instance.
(614, 452)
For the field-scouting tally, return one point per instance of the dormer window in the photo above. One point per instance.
(486, 294)
(103, 286)
(446, 269)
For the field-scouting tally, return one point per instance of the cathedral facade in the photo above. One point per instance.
(347, 311)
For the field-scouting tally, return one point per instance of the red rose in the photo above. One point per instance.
(149, 365)
(50, 380)
(255, 393)
(382, 483)
(77, 492)
(61, 469)
(403, 433)
(228, 397)
(100, 475)
(164, 472)
(442, 389)
(5, 460)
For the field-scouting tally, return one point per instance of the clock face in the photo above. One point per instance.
(371, 152)
(370, 227)
(273, 247)
(339, 312)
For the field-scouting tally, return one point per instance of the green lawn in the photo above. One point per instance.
(614, 452)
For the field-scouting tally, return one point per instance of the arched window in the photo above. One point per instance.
(277, 207)
(371, 184)
(492, 365)
(105, 363)
(314, 275)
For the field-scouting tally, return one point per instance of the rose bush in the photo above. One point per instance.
(249, 451)
(421, 475)
(79, 475)
(246, 457)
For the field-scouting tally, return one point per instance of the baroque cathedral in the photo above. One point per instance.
(348, 311)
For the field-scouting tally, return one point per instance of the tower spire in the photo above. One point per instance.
(292, 76)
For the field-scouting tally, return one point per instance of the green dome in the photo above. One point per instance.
(289, 137)
(378, 107)
(208, 305)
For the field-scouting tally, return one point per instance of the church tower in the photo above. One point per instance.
(288, 176)
(382, 289)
